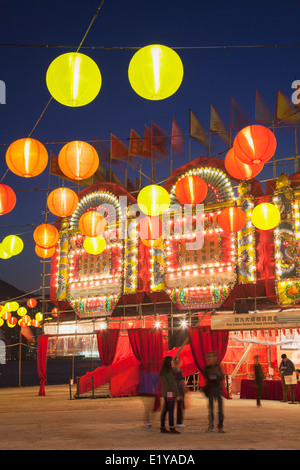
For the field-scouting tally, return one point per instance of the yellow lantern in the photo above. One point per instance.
(73, 79)
(13, 245)
(1, 322)
(265, 216)
(39, 316)
(155, 72)
(94, 245)
(3, 253)
(22, 311)
(11, 306)
(153, 200)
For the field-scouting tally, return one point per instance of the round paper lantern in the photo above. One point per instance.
(11, 322)
(191, 189)
(73, 79)
(31, 303)
(26, 157)
(46, 236)
(2, 310)
(39, 316)
(94, 245)
(153, 200)
(155, 72)
(54, 312)
(150, 228)
(3, 253)
(7, 199)
(92, 224)
(78, 160)
(11, 306)
(22, 311)
(25, 321)
(254, 144)
(232, 219)
(1, 322)
(152, 243)
(13, 245)
(44, 252)
(265, 216)
(36, 323)
(62, 202)
(239, 169)
(6, 316)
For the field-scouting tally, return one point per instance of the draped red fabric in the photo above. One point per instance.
(203, 340)
(42, 362)
(107, 341)
(147, 347)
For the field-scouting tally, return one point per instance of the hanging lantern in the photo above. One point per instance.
(265, 216)
(26, 157)
(54, 312)
(46, 236)
(73, 79)
(11, 322)
(39, 317)
(191, 190)
(22, 311)
(2, 310)
(11, 306)
(155, 72)
(153, 200)
(94, 245)
(25, 321)
(92, 224)
(152, 243)
(31, 303)
(6, 316)
(44, 252)
(7, 199)
(150, 228)
(1, 322)
(254, 144)
(78, 160)
(232, 219)
(35, 323)
(13, 245)
(62, 202)
(239, 169)
(3, 253)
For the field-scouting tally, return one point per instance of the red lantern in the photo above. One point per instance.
(12, 321)
(7, 199)
(254, 144)
(78, 160)
(232, 219)
(191, 190)
(31, 303)
(54, 312)
(62, 202)
(92, 224)
(239, 169)
(150, 228)
(46, 235)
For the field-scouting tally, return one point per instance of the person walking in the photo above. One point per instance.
(259, 380)
(213, 390)
(181, 388)
(286, 369)
(170, 392)
(148, 389)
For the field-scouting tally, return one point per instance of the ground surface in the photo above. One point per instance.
(54, 422)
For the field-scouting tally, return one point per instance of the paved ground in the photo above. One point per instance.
(54, 422)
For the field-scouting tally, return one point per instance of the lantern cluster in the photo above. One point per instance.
(24, 320)
(11, 246)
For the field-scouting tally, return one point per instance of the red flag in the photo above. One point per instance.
(159, 139)
(118, 150)
(136, 145)
(177, 140)
(238, 117)
(262, 112)
(147, 143)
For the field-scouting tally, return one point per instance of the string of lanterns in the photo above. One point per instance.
(25, 320)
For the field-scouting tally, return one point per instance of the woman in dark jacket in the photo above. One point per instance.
(169, 391)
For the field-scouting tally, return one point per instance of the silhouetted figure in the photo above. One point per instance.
(213, 389)
(181, 388)
(286, 369)
(169, 391)
(259, 380)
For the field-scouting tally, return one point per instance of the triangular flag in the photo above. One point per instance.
(136, 145)
(197, 131)
(177, 140)
(147, 142)
(285, 110)
(262, 112)
(217, 126)
(159, 139)
(238, 118)
(118, 150)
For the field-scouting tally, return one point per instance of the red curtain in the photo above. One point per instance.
(203, 340)
(42, 362)
(107, 345)
(147, 346)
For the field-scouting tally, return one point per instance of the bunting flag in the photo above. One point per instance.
(262, 112)
(238, 118)
(56, 171)
(136, 145)
(217, 126)
(103, 153)
(285, 110)
(118, 150)
(147, 142)
(177, 139)
(159, 140)
(197, 131)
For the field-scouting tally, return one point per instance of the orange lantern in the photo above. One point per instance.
(150, 228)
(232, 219)
(54, 312)
(26, 157)
(191, 189)
(7, 199)
(92, 224)
(62, 202)
(239, 169)
(25, 321)
(44, 252)
(254, 144)
(46, 236)
(78, 160)
(31, 303)
(6, 315)
(36, 323)
(152, 243)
